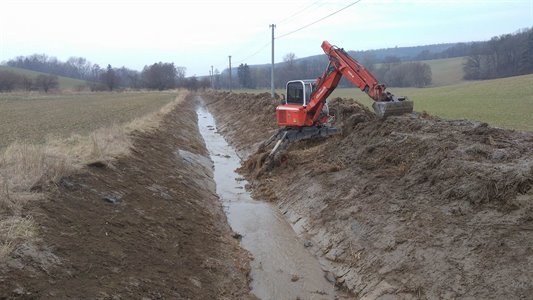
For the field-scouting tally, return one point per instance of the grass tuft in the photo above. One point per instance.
(13, 231)
(25, 169)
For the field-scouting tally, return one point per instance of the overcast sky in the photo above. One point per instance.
(201, 33)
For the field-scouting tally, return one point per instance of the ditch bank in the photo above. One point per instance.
(281, 268)
(408, 207)
(150, 226)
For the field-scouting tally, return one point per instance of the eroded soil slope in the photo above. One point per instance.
(150, 227)
(410, 207)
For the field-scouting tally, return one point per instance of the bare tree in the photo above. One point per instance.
(27, 83)
(191, 83)
(205, 83)
(288, 70)
(180, 76)
(159, 76)
(46, 82)
(245, 76)
(8, 81)
(409, 74)
(289, 59)
(502, 56)
(110, 78)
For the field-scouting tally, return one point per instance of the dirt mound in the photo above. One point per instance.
(150, 227)
(411, 206)
(455, 160)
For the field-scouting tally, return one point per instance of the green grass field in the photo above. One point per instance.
(505, 102)
(446, 71)
(65, 83)
(32, 117)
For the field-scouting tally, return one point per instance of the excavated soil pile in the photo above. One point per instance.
(150, 227)
(412, 206)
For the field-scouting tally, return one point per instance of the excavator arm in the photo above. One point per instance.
(341, 64)
(301, 116)
(309, 113)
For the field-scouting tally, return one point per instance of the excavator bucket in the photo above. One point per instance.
(392, 108)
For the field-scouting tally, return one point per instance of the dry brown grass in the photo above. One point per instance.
(25, 168)
(34, 117)
(15, 230)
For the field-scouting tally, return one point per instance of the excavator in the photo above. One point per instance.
(304, 113)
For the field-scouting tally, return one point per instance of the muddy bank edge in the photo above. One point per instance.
(150, 226)
(408, 207)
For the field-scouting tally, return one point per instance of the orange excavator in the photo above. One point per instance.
(304, 113)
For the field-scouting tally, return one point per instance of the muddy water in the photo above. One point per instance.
(282, 268)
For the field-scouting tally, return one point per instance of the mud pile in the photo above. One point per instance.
(412, 206)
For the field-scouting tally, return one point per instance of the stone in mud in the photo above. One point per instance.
(329, 277)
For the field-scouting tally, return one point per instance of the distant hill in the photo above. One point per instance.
(404, 53)
(65, 83)
(446, 71)
(377, 55)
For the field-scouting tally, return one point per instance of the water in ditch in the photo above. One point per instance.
(282, 268)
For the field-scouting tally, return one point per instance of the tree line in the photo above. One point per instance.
(502, 56)
(392, 71)
(10, 81)
(158, 76)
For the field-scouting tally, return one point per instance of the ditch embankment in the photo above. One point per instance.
(146, 225)
(407, 207)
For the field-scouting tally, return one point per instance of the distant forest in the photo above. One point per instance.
(158, 76)
(501, 56)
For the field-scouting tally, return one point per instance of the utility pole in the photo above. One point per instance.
(272, 68)
(229, 73)
(212, 78)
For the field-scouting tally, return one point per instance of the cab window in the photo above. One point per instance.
(295, 93)
(308, 91)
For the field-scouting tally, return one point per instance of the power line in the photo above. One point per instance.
(301, 28)
(323, 18)
(285, 19)
(254, 54)
(298, 12)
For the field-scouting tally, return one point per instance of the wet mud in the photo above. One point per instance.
(405, 207)
(282, 267)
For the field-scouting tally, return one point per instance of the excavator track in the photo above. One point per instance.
(290, 134)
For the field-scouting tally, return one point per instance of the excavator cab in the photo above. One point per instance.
(299, 92)
(293, 111)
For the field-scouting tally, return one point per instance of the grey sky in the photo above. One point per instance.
(201, 33)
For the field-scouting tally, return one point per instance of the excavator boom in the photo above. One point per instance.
(304, 113)
(385, 104)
